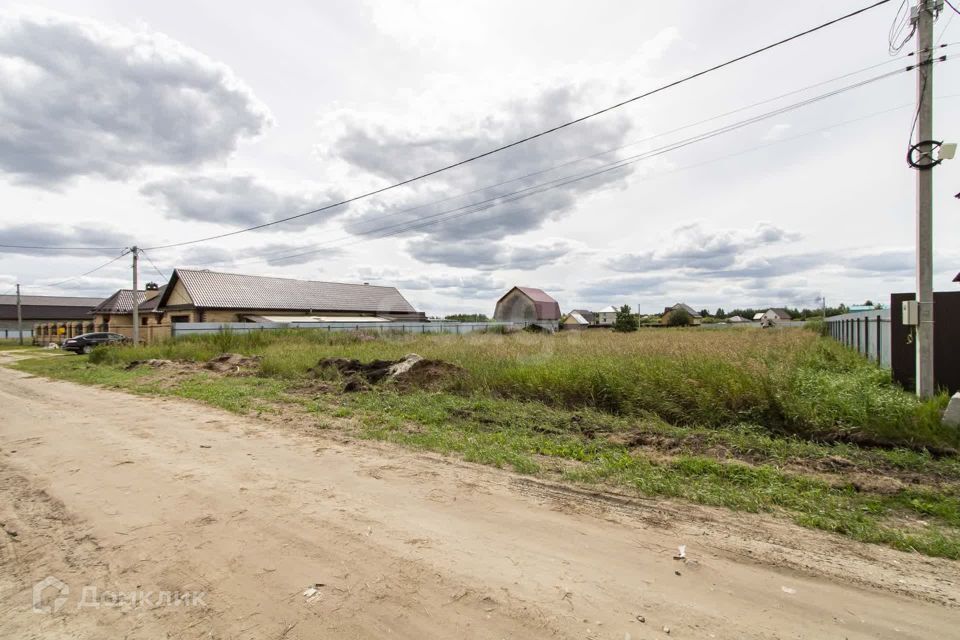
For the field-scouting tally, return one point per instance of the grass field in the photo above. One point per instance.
(776, 421)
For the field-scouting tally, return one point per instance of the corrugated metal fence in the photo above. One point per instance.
(187, 328)
(866, 331)
(13, 334)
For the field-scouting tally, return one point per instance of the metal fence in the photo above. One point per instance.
(866, 331)
(13, 334)
(187, 328)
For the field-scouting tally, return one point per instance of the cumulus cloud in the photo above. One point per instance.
(623, 286)
(272, 254)
(85, 98)
(80, 235)
(490, 255)
(238, 199)
(699, 247)
(392, 151)
(455, 285)
(884, 261)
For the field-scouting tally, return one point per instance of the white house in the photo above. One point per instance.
(606, 316)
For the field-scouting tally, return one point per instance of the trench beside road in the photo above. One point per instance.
(286, 533)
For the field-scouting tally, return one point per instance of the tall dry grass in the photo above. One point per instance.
(787, 380)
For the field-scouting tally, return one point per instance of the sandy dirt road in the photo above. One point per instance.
(126, 495)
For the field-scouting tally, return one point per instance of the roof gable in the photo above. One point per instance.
(120, 302)
(546, 307)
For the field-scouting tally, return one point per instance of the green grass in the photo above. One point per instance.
(777, 422)
(791, 381)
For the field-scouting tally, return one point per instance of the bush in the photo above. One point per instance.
(625, 320)
(679, 318)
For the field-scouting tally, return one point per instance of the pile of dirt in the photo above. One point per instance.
(233, 363)
(410, 372)
(156, 363)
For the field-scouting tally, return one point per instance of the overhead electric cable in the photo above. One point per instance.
(483, 205)
(155, 268)
(534, 136)
(94, 270)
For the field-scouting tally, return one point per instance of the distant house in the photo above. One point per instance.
(211, 296)
(774, 316)
(115, 314)
(574, 321)
(589, 316)
(757, 317)
(695, 316)
(738, 319)
(607, 316)
(527, 304)
(45, 309)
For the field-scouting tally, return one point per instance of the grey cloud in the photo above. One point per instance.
(694, 246)
(80, 235)
(621, 286)
(394, 153)
(469, 286)
(239, 199)
(273, 254)
(489, 255)
(890, 261)
(772, 266)
(82, 98)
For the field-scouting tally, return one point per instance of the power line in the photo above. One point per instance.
(48, 248)
(554, 129)
(642, 140)
(82, 275)
(950, 4)
(155, 268)
(483, 205)
(486, 188)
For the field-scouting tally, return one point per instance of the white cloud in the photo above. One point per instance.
(83, 98)
(239, 199)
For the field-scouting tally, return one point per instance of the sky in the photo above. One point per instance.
(133, 123)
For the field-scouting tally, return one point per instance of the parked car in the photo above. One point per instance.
(84, 343)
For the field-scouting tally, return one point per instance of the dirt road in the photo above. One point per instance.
(189, 522)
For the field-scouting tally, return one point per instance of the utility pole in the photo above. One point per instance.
(136, 311)
(19, 316)
(926, 11)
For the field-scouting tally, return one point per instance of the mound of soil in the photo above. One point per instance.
(156, 363)
(232, 363)
(410, 372)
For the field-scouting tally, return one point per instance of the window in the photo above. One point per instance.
(144, 320)
(180, 318)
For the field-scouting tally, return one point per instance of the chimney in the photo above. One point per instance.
(152, 290)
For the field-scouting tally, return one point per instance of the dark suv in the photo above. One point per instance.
(85, 342)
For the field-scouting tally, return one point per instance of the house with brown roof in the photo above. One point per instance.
(213, 296)
(46, 315)
(115, 314)
(529, 305)
(45, 309)
(695, 317)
